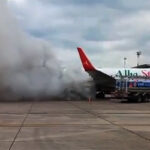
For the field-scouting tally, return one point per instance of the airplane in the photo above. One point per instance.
(105, 78)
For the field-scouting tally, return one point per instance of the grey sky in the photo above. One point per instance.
(108, 30)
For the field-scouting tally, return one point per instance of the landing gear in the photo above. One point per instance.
(100, 94)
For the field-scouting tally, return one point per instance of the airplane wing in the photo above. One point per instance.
(101, 79)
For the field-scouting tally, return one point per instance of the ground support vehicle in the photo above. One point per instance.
(132, 89)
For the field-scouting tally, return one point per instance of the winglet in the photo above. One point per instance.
(85, 61)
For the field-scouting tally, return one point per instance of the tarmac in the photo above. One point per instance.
(74, 125)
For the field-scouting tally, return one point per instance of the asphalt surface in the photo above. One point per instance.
(74, 125)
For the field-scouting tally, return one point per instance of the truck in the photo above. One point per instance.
(132, 89)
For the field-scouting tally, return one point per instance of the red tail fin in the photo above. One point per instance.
(85, 61)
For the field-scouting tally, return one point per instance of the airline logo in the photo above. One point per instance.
(130, 73)
(146, 73)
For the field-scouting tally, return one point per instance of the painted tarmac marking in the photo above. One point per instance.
(21, 126)
(111, 122)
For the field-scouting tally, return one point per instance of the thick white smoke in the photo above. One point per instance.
(28, 67)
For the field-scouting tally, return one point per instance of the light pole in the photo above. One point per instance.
(125, 62)
(138, 56)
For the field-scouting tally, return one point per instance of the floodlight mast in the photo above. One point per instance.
(138, 53)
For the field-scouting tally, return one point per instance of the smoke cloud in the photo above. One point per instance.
(30, 69)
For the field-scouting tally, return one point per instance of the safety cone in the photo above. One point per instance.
(89, 100)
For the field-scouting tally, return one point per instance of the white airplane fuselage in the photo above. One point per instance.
(126, 72)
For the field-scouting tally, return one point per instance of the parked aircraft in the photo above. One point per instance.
(105, 78)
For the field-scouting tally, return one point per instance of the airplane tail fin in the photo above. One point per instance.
(85, 61)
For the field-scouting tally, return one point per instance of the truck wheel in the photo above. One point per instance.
(146, 99)
(139, 99)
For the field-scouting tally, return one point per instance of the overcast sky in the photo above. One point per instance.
(108, 30)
